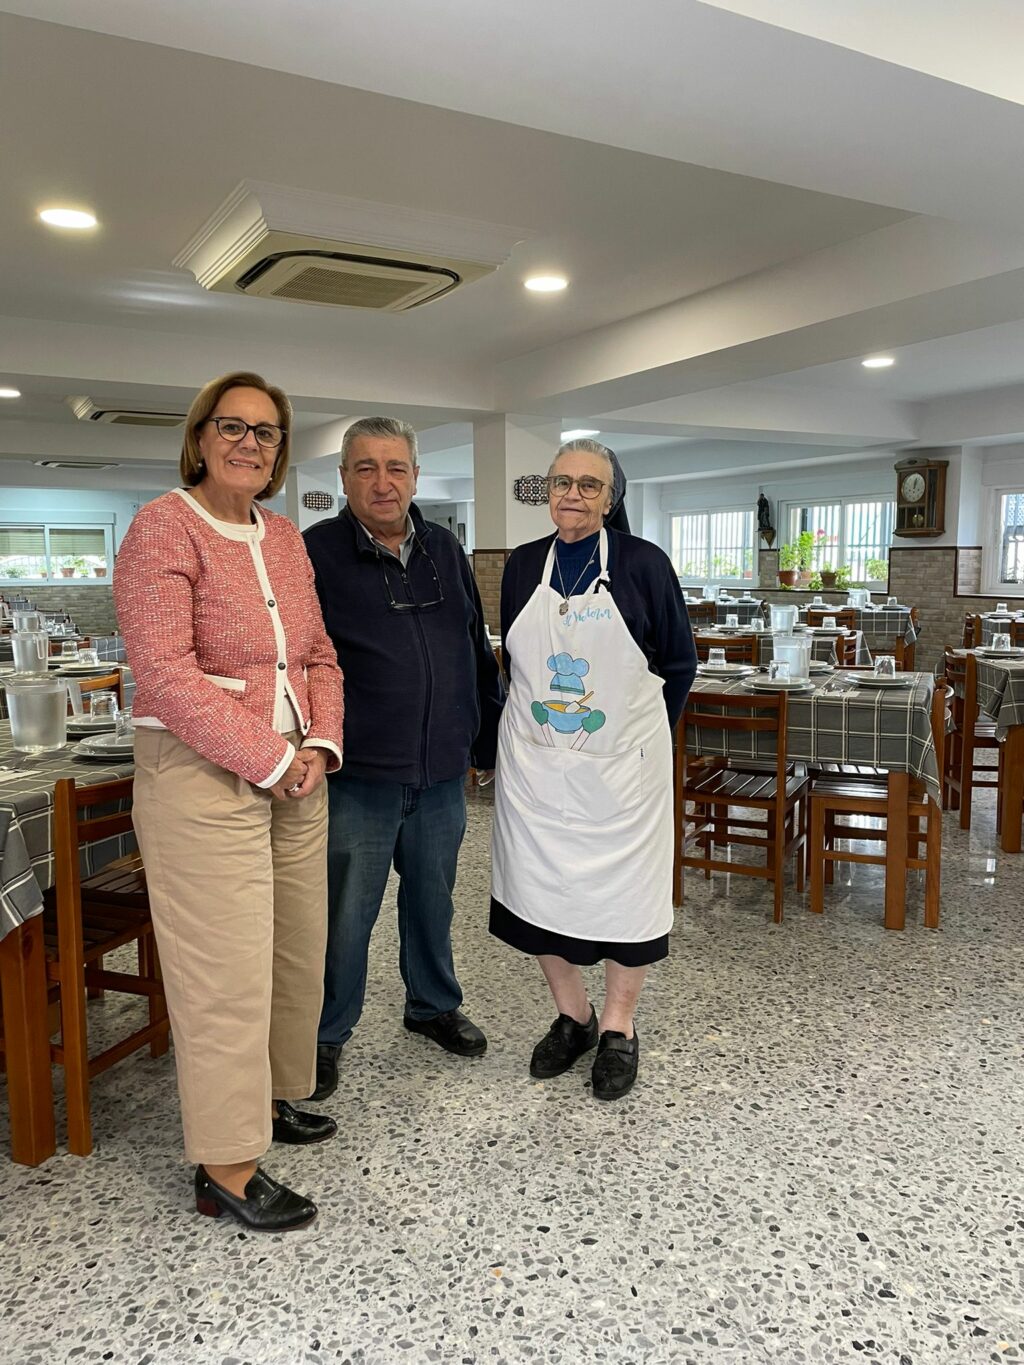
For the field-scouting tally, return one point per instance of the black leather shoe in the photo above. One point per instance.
(615, 1065)
(292, 1125)
(267, 1206)
(563, 1044)
(327, 1055)
(452, 1031)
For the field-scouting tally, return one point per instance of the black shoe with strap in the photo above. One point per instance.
(615, 1065)
(267, 1206)
(452, 1031)
(327, 1055)
(564, 1044)
(295, 1126)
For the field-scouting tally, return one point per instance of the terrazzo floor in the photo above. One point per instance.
(821, 1162)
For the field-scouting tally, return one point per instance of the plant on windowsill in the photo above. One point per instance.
(816, 582)
(877, 570)
(806, 542)
(843, 576)
(789, 565)
(99, 570)
(67, 567)
(827, 576)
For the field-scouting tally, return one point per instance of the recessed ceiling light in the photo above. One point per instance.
(68, 218)
(546, 284)
(578, 433)
(10, 393)
(878, 362)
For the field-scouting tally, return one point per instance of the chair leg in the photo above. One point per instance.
(149, 965)
(817, 844)
(933, 866)
(966, 784)
(829, 841)
(73, 1038)
(95, 992)
(777, 850)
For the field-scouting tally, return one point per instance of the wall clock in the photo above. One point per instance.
(920, 497)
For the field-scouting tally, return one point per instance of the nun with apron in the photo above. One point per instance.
(600, 656)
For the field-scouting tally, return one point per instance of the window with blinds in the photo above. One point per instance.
(856, 532)
(714, 546)
(41, 552)
(1011, 529)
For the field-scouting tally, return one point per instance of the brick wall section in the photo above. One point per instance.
(488, 566)
(90, 607)
(969, 569)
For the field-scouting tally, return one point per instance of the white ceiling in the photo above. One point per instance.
(747, 197)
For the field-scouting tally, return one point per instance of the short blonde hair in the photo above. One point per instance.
(192, 467)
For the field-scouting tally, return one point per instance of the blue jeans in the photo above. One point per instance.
(420, 829)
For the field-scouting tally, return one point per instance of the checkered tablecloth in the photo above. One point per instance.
(886, 624)
(127, 685)
(26, 826)
(993, 625)
(822, 646)
(1001, 690)
(109, 647)
(883, 727)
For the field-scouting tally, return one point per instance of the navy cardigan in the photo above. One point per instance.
(646, 591)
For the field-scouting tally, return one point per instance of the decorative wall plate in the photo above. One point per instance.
(317, 501)
(531, 489)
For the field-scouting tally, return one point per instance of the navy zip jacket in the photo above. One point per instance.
(646, 591)
(422, 695)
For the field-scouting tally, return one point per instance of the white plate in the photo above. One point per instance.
(82, 668)
(987, 652)
(83, 750)
(110, 743)
(725, 670)
(820, 668)
(92, 728)
(776, 685)
(870, 680)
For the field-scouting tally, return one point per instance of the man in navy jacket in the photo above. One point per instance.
(422, 702)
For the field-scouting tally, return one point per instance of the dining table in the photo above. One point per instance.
(840, 720)
(880, 626)
(1001, 697)
(998, 623)
(823, 643)
(27, 869)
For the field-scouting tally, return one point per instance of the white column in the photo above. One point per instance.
(505, 447)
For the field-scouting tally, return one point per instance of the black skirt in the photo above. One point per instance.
(583, 952)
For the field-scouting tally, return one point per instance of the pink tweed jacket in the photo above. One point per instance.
(210, 623)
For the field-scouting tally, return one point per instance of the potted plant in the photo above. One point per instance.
(877, 570)
(843, 576)
(67, 567)
(13, 571)
(789, 565)
(99, 570)
(827, 575)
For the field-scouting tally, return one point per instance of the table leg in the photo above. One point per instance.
(27, 1043)
(896, 831)
(1013, 789)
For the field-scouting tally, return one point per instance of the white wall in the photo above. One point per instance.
(75, 507)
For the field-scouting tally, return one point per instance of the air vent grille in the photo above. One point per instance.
(140, 419)
(344, 287)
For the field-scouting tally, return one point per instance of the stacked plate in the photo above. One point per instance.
(987, 652)
(820, 669)
(83, 726)
(896, 680)
(73, 666)
(724, 670)
(108, 748)
(762, 684)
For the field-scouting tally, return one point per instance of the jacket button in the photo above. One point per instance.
(271, 602)
(282, 665)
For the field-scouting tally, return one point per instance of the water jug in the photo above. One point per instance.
(38, 707)
(796, 651)
(30, 649)
(27, 620)
(783, 618)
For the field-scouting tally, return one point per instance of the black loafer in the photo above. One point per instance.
(615, 1065)
(327, 1055)
(452, 1031)
(292, 1125)
(564, 1044)
(267, 1206)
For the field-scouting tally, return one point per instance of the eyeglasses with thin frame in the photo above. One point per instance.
(389, 594)
(589, 487)
(234, 429)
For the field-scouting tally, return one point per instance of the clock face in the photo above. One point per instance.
(912, 488)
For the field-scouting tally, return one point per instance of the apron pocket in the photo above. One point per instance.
(532, 776)
(598, 787)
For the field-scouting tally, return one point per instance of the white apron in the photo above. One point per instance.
(583, 834)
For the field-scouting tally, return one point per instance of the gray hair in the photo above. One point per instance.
(584, 445)
(379, 426)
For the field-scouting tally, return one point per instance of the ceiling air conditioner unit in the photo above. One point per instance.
(303, 246)
(88, 410)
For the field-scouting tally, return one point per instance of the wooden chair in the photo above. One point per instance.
(722, 798)
(739, 649)
(845, 648)
(108, 682)
(703, 613)
(1016, 635)
(837, 798)
(971, 735)
(972, 630)
(845, 617)
(85, 918)
(905, 653)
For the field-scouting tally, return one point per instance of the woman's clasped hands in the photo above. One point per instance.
(303, 775)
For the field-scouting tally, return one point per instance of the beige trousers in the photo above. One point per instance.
(238, 890)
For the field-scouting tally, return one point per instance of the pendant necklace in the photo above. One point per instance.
(563, 607)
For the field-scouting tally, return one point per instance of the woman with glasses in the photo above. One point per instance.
(237, 714)
(600, 658)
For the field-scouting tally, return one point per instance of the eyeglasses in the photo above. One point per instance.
(234, 429)
(589, 487)
(389, 593)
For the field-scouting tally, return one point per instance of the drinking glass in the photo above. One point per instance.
(756, 624)
(778, 670)
(1000, 640)
(716, 658)
(885, 666)
(124, 724)
(88, 656)
(818, 601)
(891, 602)
(732, 619)
(1001, 609)
(829, 622)
(69, 651)
(103, 706)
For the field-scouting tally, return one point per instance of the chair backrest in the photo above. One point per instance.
(846, 617)
(846, 649)
(72, 832)
(706, 612)
(1016, 634)
(108, 682)
(940, 700)
(960, 672)
(764, 713)
(739, 649)
(972, 630)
